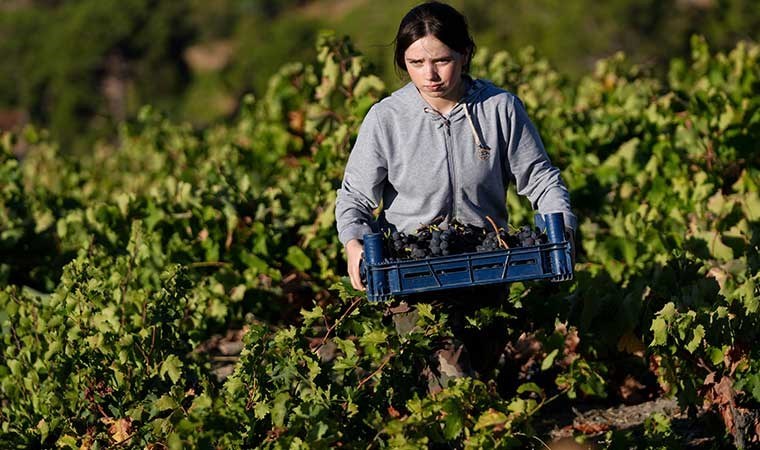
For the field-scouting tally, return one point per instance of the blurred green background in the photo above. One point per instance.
(81, 67)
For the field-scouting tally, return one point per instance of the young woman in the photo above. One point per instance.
(444, 145)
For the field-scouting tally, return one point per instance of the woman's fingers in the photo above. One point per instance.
(354, 250)
(356, 279)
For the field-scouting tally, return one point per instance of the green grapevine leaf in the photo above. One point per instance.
(298, 259)
(172, 366)
(697, 339)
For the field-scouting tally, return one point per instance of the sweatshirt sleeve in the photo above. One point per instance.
(363, 181)
(535, 176)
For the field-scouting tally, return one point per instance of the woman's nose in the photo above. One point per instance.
(430, 71)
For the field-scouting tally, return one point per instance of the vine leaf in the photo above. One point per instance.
(298, 259)
(172, 366)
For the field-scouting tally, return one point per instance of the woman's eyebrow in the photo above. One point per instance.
(440, 58)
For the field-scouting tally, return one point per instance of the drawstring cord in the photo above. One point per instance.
(446, 121)
(474, 131)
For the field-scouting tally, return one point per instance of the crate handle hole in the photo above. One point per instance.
(411, 275)
(449, 271)
(488, 266)
(523, 262)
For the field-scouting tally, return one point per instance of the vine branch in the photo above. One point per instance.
(376, 371)
(332, 327)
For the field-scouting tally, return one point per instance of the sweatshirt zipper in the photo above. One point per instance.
(450, 156)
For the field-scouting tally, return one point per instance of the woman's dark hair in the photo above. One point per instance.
(437, 19)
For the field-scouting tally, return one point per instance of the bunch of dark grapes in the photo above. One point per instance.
(457, 238)
(526, 237)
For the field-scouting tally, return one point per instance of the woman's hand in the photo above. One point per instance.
(354, 252)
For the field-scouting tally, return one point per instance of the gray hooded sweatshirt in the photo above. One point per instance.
(422, 165)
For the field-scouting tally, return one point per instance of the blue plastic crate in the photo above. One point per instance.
(385, 279)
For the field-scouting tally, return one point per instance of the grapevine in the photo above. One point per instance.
(118, 269)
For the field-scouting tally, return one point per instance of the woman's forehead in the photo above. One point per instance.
(428, 47)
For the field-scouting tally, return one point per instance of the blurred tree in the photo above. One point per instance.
(79, 66)
(571, 35)
(287, 40)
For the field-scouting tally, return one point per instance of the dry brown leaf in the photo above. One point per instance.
(296, 120)
(630, 343)
(86, 443)
(720, 395)
(655, 362)
(734, 357)
(724, 398)
(629, 388)
(719, 274)
(572, 340)
(591, 427)
(568, 443)
(527, 345)
(119, 429)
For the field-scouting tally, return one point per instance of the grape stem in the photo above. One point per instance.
(502, 244)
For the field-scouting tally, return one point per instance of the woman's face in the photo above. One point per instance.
(435, 69)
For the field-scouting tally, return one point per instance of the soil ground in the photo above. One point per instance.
(565, 426)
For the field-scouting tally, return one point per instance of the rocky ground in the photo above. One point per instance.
(566, 428)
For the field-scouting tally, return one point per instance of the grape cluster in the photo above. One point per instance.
(456, 238)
